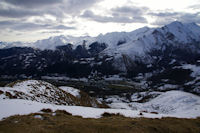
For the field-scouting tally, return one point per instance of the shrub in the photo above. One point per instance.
(106, 114)
(47, 110)
(62, 112)
(1, 92)
(154, 112)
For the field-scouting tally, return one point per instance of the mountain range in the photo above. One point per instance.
(161, 58)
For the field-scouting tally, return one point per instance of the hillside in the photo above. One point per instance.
(34, 103)
(34, 95)
(173, 103)
(43, 92)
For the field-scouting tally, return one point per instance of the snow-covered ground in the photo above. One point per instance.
(170, 104)
(11, 107)
(35, 90)
(28, 99)
(71, 90)
(173, 103)
(176, 103)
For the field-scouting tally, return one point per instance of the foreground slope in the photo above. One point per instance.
(43, 92)
(63, 122)
(170, 104)
(176, 103)
(173, 103)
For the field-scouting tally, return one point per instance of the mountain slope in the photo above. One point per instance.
(175, 103)
(40, 91)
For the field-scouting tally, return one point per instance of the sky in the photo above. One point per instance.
(31, 20)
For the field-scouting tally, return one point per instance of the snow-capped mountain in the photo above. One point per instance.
(5, 45)
(112, 40)
(154, 56)
(175, 34)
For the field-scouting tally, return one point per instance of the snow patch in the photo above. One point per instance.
(12, 107)
(71, 90)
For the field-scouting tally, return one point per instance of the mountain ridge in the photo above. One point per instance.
(155, 56)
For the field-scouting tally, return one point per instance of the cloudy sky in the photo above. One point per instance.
(30, 20)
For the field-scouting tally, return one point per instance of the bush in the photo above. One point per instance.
(106, 114)
(62, 112)
(47, 110)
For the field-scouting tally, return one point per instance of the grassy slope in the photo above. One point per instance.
(65, 123)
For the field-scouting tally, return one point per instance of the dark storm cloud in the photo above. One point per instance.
(120, 15)
(166, 17)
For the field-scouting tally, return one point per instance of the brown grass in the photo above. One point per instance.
(64, 123)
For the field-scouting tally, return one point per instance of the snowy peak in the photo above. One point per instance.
(176, 31)
(183, 33)
(112, 39)
(53, 42)
(175, 34)
(115, 39)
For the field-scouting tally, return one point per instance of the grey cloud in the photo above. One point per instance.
(18, 26)
(29, 26)
(63, 27)
(133, 15)
(133, 10)
(195, 7)
(5, 23)
(58, 8)
(32, 3)
(16, 13)
(54, 7)
(67, 4)
(50, 32)
(167, 17)
(11, 11)
(164, 14)
(75, 7)
(189, 17)
(80, 3)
